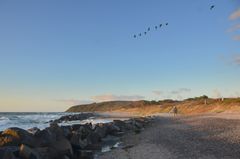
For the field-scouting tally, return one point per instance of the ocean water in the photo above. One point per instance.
(41, 120)
(28, 120)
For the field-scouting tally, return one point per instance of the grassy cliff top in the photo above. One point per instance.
(201, 104)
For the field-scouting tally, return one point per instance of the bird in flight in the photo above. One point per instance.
(211, 8)
(149, 29)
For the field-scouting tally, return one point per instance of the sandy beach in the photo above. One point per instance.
(210, 136)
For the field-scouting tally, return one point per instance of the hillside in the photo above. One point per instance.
(188, 106)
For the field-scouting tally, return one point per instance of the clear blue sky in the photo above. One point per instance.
(56, 53)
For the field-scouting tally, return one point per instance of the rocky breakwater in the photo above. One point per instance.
(74, 117)
(63, 142)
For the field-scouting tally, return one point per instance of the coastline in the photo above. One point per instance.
(68, 141)
(205, 136)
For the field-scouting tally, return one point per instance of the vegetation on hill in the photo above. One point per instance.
(201, 104)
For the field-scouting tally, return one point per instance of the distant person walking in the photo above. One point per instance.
(175, 111)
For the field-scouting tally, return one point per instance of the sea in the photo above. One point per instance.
(42, 120)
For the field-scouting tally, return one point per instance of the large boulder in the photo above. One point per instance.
(67, 131)
(48, 153)
(112, 128)
(93, 138)
(78, 142)
(17, 136)
(28, 153)
(62, 147)
(46, 137)
(50, 135)
(121, 124)
(34, 130)
(101, 130)
(8, 152)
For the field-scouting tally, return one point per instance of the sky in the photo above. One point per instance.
(58, 53)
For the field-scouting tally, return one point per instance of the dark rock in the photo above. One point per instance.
(120, 133)
(28, 153)
(96, 147)
(93, 138)
(34, 130)
(62, 147)
(137, 131)
(8, 152)
(64, 157)
(84, 154)
(48, 153)
(81, 116)
(55, 129)
(77, 142)
(127, 147)
(121, 124)
(17, 136)
(84, 131)
(101, 130)
(50, 135)
(46, 137)
(130, 126)
(138, 124)
(75, 127)
(112, 128)
(67, 131)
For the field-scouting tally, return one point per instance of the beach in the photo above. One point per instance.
(121, 136)
(210, 136)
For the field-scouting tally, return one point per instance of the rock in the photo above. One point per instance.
(67, 131)
(55, 129)
(77, 142)
(62, 147)
(50, 135)
(85, 154)
(130, 126)
(7, 155)
(101, 130)
(64, 157)
(97, 146)
(48, 153)
(138, 124)
(75, 127)
(28, 153)
(46, 137)
(112, 128)
(93, 138)
(81, 116)
(17, 136)
(121, 124)
(119, 134)
(137, 131)
(34, 130)
(8, 140)
(8, 152)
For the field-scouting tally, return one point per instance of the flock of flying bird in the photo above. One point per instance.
(159, 26)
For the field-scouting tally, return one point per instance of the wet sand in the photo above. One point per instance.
(210, 136)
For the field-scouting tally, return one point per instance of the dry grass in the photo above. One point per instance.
(193, 106)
